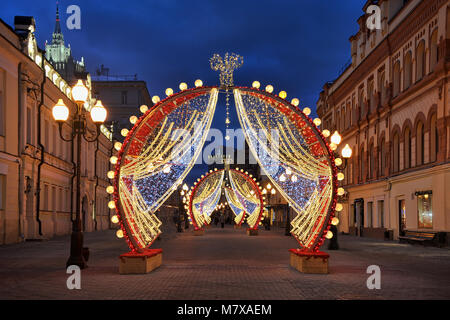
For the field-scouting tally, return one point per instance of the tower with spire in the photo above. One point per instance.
(61, 57)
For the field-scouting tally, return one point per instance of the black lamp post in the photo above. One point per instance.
(79, 128)
(287, 230)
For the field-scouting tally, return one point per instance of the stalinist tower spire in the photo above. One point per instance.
(58, 37)
(57, 24)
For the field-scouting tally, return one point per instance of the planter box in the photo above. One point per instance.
(309, 262)
(140, 263)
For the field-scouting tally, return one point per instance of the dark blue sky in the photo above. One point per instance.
(294, 45)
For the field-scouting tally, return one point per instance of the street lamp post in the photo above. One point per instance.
(61, 114)
(287, 231)
(346, 153)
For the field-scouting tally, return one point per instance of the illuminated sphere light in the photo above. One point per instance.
(60, 111)
(143, 108)
(269, 88)
(346, 152)
(183, 86)
(317, 121)
(335, 221)
(124, 132)
(111, 205)
(98, 112)
(115, 219)
(166, 169)
(155, 99)
(227, 137)
(326, 133)
(119, 234)
(113, 160)
(133, 119)
(295, 102)
(198, 83)
(256, 84)
(333, 146)
(282, 94)
(307, 111)
(336, 138)
(338, 161)
(288, 171)
(329, 235)
(294, 178)
(118, 145)
(339, 207)
(110, 190)
(169, 92)
(340, 176)
(111, 174)
(79, 92)
(340, 191)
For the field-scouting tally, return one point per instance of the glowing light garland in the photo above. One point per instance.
(243, 197)
(286, 142)
(155, 158)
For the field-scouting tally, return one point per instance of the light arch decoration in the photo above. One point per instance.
(242, 192)
(288, 145)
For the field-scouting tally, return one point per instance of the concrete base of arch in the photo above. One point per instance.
(309, 262)
(140, 263)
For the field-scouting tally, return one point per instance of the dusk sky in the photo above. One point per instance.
(296, 46)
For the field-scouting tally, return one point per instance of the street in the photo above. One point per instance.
(225, 264)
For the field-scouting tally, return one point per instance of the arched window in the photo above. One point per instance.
(362, 107)
(407, 148)
(408, 71)
(420, 144)
(382, 158)
(396, 79)
(420, 60)
(362, 168)
(396, 153)
(434, 139)
(348, 113)
(371, 162)
(370, 97)
(434, 52)
(382, 87)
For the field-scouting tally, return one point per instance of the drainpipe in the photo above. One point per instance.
(19, 147)
(95, 187)
(42, 148)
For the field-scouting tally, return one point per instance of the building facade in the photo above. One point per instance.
(36, 165)
(124, 95)
(391, 105)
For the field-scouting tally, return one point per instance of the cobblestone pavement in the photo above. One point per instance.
(225, 264)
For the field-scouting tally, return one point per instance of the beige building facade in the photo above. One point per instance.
(37, 180)
(391, 105)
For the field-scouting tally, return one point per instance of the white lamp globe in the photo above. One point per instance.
(98, 113)
(60, 111)
(80, 92)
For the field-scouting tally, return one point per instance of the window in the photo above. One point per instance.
(419, 144)
(124, 97)
(396, 153)
(396, 79)
(2, 191)
(434, 139)
(55, 146)
(434, 52)
(46, 135)
(2, 106)
(382, 157)
(371, 162)
(425, 211)
(382, 87)
(407, 148)
(362, 106)
(420, 60)
(361, 166)
(408, 71)
(369, 214)
(29, 129)
(381, 213)
(371, 97)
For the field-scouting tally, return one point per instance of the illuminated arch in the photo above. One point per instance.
(243, 195)
(151, 164)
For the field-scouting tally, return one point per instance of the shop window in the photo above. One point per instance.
(425, 211)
